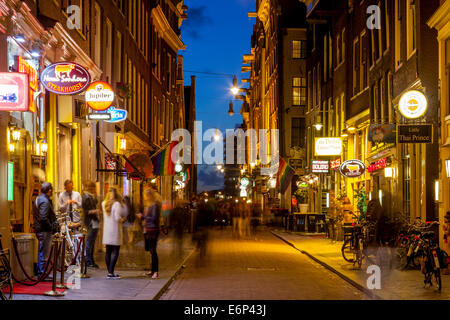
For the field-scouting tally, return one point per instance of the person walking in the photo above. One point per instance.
(45, 224)
(70, 202)
(129, 214)
(178, 221)
(151, 217)
(112, 230)
(91, 220)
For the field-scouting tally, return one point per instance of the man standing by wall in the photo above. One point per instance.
(70, 202)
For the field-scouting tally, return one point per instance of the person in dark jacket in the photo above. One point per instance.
(45, 224)
(152, 216)
(91, 220)
(178, 221)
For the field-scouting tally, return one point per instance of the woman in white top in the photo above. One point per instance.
(112, 230)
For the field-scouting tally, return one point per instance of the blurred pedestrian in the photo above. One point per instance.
(178, 221)
(203, 221)
(129, 215)
(235, 218)
(112, 229)
(152, 216)
(91, 220)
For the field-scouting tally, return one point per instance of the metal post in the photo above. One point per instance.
(53, 292)
(84, 274)
(62, 284)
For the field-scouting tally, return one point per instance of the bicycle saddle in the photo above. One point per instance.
(428, 234)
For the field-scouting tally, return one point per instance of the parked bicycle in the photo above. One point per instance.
(355, 247)
(5, 273)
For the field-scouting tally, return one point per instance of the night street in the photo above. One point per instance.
(264, 268)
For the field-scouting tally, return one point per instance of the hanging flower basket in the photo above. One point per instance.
(124, 90)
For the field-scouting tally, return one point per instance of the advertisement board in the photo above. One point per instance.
(14, 91)
(65, 78)
(328, 147)
(99, 96)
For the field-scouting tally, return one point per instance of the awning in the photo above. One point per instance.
(142, 163)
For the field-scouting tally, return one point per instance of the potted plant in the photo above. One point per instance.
(302, 198)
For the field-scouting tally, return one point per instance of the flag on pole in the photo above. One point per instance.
(162, 163)
(188, 173)
(284, 175)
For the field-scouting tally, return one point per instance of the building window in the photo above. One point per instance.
(343, 46)
(398, 34)
(406, 164)
(309, 91)
(364, 70)
(298, 127)
(338, 50)
(410, 27)
(298, 49)
(299, 91)
(356, 62)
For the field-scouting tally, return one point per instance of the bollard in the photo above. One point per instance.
(83, 270)
(53, 292)
(62, 284)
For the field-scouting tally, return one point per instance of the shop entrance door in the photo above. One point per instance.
(64, 156)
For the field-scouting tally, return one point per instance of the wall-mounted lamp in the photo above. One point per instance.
(44, 146)
(351, 129)
(436, 190)
(12, 147)
(123, 144)
(230, 109)
(16, 135)
(318, 125)
(235, 89)
(388, 172)
(447, 167)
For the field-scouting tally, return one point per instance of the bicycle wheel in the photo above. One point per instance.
(347, 251)
(401, 258)
(437, 278)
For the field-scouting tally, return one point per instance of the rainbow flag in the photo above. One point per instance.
(284, 175)
(162, 163)
(188, 174)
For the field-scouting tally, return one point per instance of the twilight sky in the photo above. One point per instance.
(217, 34)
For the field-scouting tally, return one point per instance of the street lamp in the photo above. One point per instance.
(234, 89)
(230, 109)
(318, 125)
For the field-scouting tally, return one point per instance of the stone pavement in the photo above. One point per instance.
(395, 284)
(134, 284)
(261, 267)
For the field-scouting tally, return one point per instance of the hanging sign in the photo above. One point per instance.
(352, 168)
(335, 164)
(377, 165)
(99, 95)
(328, 146)
(14, 91)
(302, 185)
(117, 115)
(65, 78)
(413, 104)
(379, 133)
(417, 133)
(245, 182)
(319, 166)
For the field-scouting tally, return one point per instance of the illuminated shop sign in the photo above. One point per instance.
(417, 133)
(320, 166)
(65, 78)
(245, 182)
(413, 104)
(99, 95)
(117, 115)
(377, 165)
(302, 184)
(10, 181)
(23, 66)
(99, 116)
(335, 164)
(379, 133)
(328, 146)
(352, 168)
(14, 91)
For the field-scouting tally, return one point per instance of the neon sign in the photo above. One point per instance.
(380, 164)
(99, 95)
(117, 115)
(14, 91)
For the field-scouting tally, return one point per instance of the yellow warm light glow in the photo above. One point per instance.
(235, 90)
(12, 147)
(123, 144)
(44, 147)
(16, 135)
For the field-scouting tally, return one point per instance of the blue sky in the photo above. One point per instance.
(217, 34)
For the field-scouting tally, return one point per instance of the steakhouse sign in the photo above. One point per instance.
(65, 78)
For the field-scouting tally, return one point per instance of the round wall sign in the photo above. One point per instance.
(352, 168)
(99, 95)
(245, 182)
(413, 104)
(65, 78)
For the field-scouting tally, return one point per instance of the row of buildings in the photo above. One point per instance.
(337, 70)
(131, 45)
